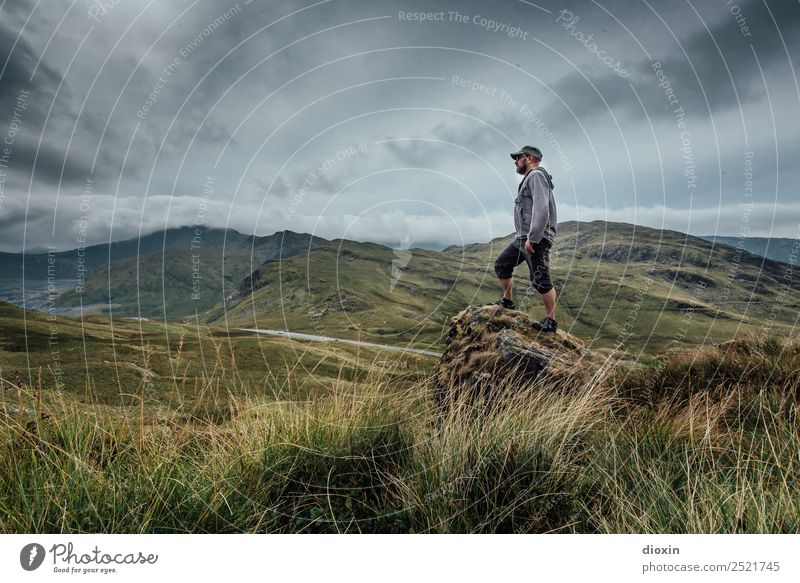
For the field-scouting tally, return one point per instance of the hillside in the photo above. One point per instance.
(348, 289)
(190, 274)
(617, 282)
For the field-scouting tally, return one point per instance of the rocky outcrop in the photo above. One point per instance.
(493, 349)
(344, 301)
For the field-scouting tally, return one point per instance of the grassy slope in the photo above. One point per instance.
(647, 287)
(706, 444)
(127, 362)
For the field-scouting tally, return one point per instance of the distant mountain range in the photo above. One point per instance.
(194, 273)
(93, 256)
(775, 248)
(65, 263)
(176, 272)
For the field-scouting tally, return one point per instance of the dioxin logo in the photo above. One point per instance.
(31, 556)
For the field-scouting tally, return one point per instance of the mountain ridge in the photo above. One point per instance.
(186, 279)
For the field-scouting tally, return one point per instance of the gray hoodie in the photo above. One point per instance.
(535, 207)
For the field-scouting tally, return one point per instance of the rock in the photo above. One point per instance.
(514, 351)
(492, 349)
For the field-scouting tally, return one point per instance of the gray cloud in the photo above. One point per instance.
(49, 162)
(710, 70)
(723, 57)
(16, 76)
(387, 91)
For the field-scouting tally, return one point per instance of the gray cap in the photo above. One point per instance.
(528, 151)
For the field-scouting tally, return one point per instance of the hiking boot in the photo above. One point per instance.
(546, 325)
(507, 304)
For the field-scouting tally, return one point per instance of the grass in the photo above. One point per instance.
(171, 364)
(701, 444)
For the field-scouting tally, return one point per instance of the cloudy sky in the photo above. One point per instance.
(392, 121)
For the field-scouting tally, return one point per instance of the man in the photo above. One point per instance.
(535, 223)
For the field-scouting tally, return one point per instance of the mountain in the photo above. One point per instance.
(35, 279)
(65, 263)
(195, 269)
(775, 248)
(617, 282)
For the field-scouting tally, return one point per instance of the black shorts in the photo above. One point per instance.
(538, 263)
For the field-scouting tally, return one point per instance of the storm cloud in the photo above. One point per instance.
(386, 120)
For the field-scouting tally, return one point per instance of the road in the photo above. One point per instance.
(315, 338)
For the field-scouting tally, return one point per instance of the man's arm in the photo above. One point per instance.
(540, 188)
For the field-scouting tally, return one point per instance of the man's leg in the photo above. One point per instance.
(507, 292)
(549, 301)
(504, 268)
(540, 278)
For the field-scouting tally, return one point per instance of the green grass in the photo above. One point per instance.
(120, 363)
(701, 443)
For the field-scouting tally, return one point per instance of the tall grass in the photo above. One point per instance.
(371, 457)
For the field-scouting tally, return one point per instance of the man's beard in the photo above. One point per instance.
(521, 169)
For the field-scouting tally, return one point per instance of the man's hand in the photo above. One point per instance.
(529, 247)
